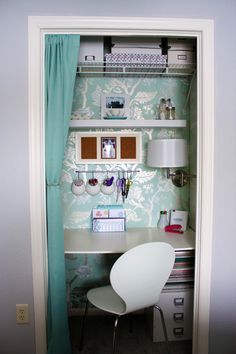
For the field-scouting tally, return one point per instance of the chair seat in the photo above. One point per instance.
(107, 299)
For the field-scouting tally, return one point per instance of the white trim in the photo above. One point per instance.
(204, 217)
(37, 186)
(203, 30)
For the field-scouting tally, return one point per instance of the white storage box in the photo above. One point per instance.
(117, 213)
(135, 45)
(91, 49)
(100, 213)
(108, 225)
(108, 211)
(179, 217)
(181, 51)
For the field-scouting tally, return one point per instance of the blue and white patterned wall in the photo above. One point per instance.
(150, 192)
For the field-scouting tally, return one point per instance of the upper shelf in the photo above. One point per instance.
(129, 123)
(126, 69)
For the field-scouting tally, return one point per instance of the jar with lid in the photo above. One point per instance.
(162, 109)
(163, 220)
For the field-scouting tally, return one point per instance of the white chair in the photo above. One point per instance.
(137, 279)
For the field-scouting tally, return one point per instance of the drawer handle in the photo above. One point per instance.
(89, 58)
(178, 332)
(179, 301)
(182, 57)
(178, 317)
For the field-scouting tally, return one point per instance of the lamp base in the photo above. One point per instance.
(179, 178)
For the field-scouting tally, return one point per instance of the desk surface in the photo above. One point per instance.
(86, 241)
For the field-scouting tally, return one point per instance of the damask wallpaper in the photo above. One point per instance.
(150, 192)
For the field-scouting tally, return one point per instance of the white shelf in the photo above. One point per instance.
(129, 123)
(141, 70)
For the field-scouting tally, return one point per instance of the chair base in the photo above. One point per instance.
(164, 327)
(81, 343)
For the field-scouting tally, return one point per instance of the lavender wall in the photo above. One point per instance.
(15, 251)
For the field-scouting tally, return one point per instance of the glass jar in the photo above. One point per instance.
(162, 109)
(163, 220)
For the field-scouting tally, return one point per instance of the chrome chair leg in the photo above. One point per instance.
(81, 343)
(164, 327)
(114, 334)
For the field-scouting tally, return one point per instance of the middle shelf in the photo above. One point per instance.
(129, 123)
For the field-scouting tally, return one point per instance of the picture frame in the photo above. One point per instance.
(108, 147)
(115, 106)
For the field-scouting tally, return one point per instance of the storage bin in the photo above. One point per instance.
(91, 49)
(135, 45)
(181, 51)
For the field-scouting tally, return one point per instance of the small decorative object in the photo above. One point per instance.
(114, 106)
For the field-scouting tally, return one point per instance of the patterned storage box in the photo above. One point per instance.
(108, 225)
(135, 59)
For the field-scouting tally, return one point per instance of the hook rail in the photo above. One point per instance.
(108, 171)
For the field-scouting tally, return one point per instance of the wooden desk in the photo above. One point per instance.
(85, 241)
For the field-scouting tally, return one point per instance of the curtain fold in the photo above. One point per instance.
(61, 56)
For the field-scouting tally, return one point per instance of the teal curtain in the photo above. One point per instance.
(61, 54)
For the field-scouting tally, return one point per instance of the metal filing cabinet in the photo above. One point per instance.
(178, 313)
(176, 301)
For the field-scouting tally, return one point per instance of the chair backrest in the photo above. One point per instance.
(139, 275)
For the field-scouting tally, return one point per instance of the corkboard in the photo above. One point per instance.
(128, 147)
(88, 148)
(91, 147)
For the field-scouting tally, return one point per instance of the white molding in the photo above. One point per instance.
(205, 188)
(203, 30)
(37, 186)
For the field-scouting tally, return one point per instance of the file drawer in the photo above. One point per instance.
(177, 307)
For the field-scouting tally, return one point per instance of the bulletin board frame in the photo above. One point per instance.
(108, 147)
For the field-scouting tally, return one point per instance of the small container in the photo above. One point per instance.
(172, 113)
(163, 220)
(78, 187)
(162, 109)
(92, 186)
(107, 189)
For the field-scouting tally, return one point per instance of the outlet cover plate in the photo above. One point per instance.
(22, 313)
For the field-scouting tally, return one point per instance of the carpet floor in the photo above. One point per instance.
(98, 337)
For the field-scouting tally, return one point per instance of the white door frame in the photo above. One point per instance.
(203, 30)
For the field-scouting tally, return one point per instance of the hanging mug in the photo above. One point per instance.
(78, 187)
(108, 186)
(92, 186)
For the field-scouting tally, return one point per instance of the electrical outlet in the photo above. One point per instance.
(22, 313)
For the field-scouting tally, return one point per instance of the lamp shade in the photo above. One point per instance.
(167, 153)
